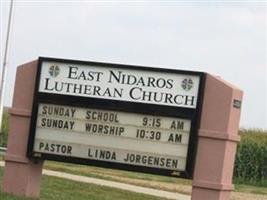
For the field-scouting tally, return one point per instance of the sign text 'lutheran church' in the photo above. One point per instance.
(130, 85)
(117, 116)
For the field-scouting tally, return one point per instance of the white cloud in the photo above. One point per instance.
(222, 39)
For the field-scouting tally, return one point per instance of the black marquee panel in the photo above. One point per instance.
(115, 105)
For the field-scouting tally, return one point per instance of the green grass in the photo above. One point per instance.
(98, 172)
(134, 178)
(145, 179)
(59, 189)
(250, 189)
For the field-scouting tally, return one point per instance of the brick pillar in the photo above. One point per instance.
(218, 137)
(21, 176)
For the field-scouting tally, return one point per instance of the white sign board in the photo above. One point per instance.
(128, 138)
(131, 85)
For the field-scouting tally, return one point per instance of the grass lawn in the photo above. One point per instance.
(110, 174)
(251, 189)
(60, 189)
(140, 179)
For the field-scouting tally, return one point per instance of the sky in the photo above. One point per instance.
(224, 38)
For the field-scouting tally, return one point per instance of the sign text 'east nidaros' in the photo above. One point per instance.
(117, 116)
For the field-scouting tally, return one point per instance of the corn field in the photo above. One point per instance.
(251, 158)
(4, 130)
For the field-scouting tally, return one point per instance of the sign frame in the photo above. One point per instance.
(192, 114)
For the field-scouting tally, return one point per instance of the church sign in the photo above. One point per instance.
(116, 116)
